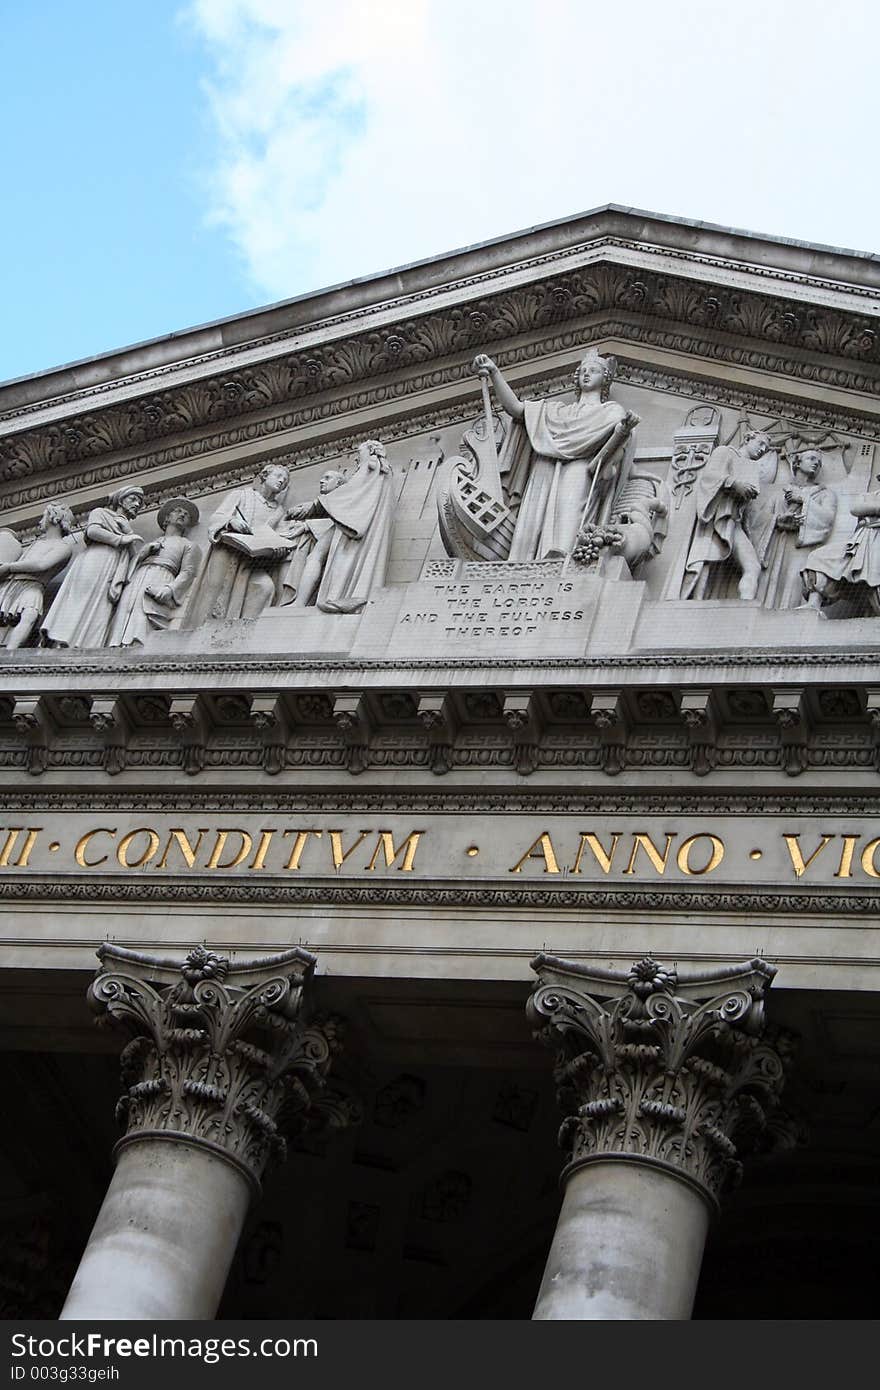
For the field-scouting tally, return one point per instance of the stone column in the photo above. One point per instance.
(665, 1082)
(218, 1064)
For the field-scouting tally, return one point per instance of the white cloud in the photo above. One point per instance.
(353, 135)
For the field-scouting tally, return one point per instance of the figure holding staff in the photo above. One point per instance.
(561, 458)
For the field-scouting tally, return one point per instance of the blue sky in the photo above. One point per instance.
(171, 162)
(103, 238)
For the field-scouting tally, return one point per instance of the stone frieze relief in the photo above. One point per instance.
(540, 482)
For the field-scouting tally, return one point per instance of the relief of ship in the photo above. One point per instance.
(475, 521)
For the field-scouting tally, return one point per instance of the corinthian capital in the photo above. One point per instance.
(666, 1070)
(219, 1054)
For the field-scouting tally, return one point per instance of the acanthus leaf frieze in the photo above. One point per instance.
(574, 297)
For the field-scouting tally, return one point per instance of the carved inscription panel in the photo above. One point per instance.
(514, 849)
(535, 609)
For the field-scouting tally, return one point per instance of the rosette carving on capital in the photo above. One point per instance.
(219, 1053)
(673, 1071)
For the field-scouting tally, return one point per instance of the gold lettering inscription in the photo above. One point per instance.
(181, 839)
(22, 860)
(604, 859)
(247, 844)
(869, 861)
(299, 845)
(9, 846)
(82, 845)
(262, 849)
(542, 848)
(844, 868)
(125, 843)
(642, 841)
(799, 863)
(715, 856)
(339, 857)
(385, 841)
(11, 843)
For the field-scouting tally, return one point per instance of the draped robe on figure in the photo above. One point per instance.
(720, 511)
(547, 460)
(20, 592)
(789, 552)
(84, 607)
(228, 574)
(857, 560)
(361, 510)
(316, 527)
(138, 612)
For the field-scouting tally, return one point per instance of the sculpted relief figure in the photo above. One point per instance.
(851, 568)
(640, 514)
(561, 458)
(312, 529)
(731, 523)
(806, 520)
(158, 577)
(239, 578)
(85, 605)
(23, 581)
(350, 555)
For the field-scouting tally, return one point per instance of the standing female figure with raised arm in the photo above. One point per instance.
(560, 458)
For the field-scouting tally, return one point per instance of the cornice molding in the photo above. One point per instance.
(614, 249)
(585, 670)
(284, 894)
(588, 754)
(456, 802)
(715, 322)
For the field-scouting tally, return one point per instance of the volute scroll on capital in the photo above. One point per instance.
(677, 1073)
(221, 1055)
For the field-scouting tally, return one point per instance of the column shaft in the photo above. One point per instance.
(664, 1082)
(628, 1245)
(164, 1238)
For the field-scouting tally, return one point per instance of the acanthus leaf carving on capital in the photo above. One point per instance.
(220, 1054)
(666, 1070)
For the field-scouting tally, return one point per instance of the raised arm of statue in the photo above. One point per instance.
(506, 396)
